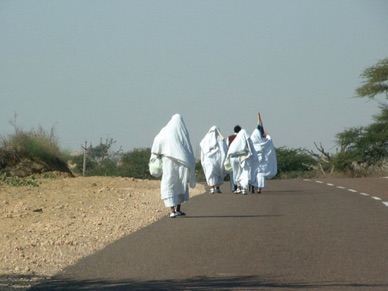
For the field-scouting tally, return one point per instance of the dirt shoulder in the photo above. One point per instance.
(45, 228)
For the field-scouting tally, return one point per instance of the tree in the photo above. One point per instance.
(350, 149)
(323, 160)
(103, 151)
(364, 150)
(376, 80)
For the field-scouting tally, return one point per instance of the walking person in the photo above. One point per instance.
(242, 157)
(173, 146)
(213, 154)
(233, 186)
(266, 156)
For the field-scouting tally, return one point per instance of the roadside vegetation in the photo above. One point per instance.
(361, 151)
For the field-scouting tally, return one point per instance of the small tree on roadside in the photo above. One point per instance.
(103, 151)
(323, 160)
(364, 150)
(100, 160)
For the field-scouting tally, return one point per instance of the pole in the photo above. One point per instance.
(84, 162)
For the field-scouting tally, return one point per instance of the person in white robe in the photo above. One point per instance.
(213, 154)
(242, 159)
(236, 129)
(173, 146)
(266, 156)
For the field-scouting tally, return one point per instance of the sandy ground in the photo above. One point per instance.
(45, 228)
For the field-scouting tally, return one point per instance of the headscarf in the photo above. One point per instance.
(210, 143)
(173, 141)
(259, 141)
(241, 146)
(213, 155)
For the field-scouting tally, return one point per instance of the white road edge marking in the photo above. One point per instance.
(352, 190)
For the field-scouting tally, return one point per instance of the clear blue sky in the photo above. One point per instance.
(121, 69)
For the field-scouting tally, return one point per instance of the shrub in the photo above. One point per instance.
(294, 163)
(16, 181)
(135, 164)
(36, 145)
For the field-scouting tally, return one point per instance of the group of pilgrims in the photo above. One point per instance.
(248, 159)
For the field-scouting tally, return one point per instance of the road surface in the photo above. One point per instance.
(329, 234)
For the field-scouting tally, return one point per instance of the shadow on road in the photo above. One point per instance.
(200, 283)
(228, 216)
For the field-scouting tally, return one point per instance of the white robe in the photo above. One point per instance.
(173, 145)
(213, 155)
(266, 156)
(243, 159)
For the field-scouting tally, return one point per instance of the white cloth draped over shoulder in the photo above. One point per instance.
(173, 145)
(242, 157)
(213, 155)
(266, 155)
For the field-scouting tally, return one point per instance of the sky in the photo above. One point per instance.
(93, 70)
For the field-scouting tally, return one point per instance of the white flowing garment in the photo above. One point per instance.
(173, 144)
(243, 159)
(266, 155)
(213, 155)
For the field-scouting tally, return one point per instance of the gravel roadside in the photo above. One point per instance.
(46, 228)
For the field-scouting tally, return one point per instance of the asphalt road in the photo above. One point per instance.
(330, 234)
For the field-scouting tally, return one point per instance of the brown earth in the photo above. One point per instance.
(45, 228)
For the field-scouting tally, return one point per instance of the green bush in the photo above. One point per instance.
(105, 168)
(294, 163)
(135, 164)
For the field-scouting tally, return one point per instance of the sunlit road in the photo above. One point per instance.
(297, 234)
